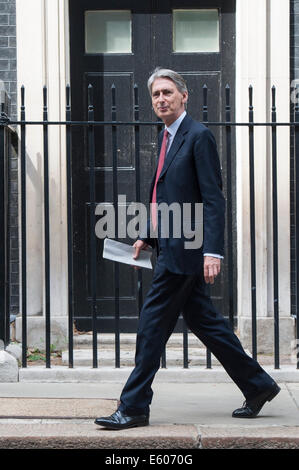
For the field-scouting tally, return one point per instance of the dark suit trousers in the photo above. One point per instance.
(169, 295)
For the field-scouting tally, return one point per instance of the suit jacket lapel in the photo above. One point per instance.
(177, 143)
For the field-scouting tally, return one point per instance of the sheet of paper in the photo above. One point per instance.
(123, 253)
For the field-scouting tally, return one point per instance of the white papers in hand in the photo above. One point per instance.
(123, 253)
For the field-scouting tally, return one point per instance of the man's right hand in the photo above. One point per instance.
(139, 245)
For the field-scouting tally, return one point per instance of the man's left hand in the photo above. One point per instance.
(211, 268)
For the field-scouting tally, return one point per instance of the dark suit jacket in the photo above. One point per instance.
(191, 174)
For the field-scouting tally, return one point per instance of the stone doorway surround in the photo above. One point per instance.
(262, 60)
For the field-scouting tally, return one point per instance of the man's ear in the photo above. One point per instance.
(185, 97)
(186, 100)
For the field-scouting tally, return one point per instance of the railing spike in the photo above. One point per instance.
(250, 90)
(227, 95)
(45, 94)
(68, 90)
(90, 96)
(205, 102)
(113, 105)
(22, 96)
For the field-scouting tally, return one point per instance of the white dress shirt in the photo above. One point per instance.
(172, 130)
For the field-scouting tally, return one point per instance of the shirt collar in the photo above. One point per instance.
(172, 129)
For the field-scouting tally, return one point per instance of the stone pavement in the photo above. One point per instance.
(183, 416)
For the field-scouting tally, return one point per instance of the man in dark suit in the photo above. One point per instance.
(188, 171)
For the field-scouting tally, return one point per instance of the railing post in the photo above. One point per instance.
(296, 222)
(205, 120)
(92, 254)
(137, 182)
(4, 213)
(23, 230)
(115, 203)
(47, 228)
(275, 233)
(252, 224)
(229, 213)
(69, 227)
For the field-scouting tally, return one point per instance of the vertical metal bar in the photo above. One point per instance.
(69, 227)
(297, 219)
(163, 359)
(115, 203)
(275, 233)
(23, 230)
(5, 219)
(252, 224)
(205, 103)
(137, 182)
(229, 207)
(93, 272)
(205, 119)
(185, 346)
(3, 233)
(208, 352)
(163, 355)
(46, 229)
(7, 135)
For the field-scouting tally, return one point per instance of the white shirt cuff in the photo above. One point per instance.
(213, 254)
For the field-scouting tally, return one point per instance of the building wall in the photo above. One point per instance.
(8, 74)
(8, 55)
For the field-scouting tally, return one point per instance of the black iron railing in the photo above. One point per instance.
(4, 222)
(90, 126)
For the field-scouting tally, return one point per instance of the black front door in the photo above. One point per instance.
(120, 42)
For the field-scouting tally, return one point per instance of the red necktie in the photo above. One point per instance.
(159, 169)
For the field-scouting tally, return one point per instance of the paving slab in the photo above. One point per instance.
(60, 390)
(56, 407)
(207, 404)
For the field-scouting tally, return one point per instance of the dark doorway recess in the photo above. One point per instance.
(150, 44)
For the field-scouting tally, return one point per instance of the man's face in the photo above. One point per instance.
(167, 101)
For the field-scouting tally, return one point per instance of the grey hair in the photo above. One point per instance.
(171, 75)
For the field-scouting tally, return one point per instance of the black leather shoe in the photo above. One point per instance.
(119, 420)
(251, 408)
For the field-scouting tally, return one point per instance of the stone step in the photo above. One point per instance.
(106, 357)
(151, 440)
(194, 374)
(128, 340)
